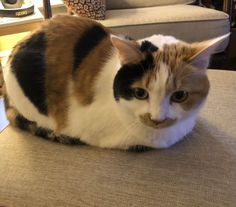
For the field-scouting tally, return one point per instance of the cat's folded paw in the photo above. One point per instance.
(139, 148)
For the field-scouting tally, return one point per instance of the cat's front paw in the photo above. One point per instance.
(139, 148)
(167, 142)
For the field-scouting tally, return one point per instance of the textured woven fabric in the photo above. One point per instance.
(199, 171)
(94, 9)
(126, 4)
(161, 14)
(181, 30)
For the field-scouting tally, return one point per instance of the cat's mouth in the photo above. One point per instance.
(145, 119)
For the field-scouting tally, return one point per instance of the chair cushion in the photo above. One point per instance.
(127, 4)
(161, 14)
(186, 22)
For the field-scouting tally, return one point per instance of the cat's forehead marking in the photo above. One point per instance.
(158, 77)
(169, 65)
(174, 54)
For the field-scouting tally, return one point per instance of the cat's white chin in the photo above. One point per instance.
(166, 137)
(141, 134)
(155, 137)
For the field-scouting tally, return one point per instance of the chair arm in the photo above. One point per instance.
(229, 9)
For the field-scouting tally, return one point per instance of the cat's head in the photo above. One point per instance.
(159, 87)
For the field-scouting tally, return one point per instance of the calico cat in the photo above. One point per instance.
(73, 81)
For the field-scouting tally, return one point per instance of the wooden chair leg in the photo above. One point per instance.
(47, 9)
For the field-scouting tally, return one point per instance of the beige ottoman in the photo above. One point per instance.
(199, 171)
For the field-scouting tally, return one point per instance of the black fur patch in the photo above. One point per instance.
(89, 40)
(29, 67)
(24, 123)
(147, 46)
(50, 135)
(63, 139)
(6, 102)
(128, 74)
(44, 133)
(139, 148)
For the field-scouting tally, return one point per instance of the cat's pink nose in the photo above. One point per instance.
(155, 120)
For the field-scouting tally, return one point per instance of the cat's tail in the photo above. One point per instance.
(19, 121)
(30, 126)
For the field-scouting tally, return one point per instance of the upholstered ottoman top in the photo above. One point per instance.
(199, 171)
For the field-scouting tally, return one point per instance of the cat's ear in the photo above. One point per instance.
(202, 51)
(128, 50)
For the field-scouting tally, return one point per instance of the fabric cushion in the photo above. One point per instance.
(199, 171)
(127, 4)
(161, 14)
(186, 22)
(94, 9)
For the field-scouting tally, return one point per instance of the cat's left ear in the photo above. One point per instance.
(202, 51)
(128, 50)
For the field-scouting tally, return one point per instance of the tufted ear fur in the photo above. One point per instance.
(128, 51)
(202, 51)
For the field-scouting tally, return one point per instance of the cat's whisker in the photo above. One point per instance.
(130, 127)
(127, 128)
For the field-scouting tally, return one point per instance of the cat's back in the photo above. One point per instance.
(59, 36)
(41, 67)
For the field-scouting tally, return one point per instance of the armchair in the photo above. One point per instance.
(184, 19)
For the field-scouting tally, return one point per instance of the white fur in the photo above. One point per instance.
(159, 105)
(110, 124)
(161, 40)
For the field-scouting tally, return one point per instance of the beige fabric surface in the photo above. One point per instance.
(161, 14)
(187, 31)
(125, 4)
(199, 171)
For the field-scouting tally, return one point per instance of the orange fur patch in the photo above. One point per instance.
(89, 69)
(62, 33)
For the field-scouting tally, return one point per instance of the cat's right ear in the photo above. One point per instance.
(202, 51)
(128, 51)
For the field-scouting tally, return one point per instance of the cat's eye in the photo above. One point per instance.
(140, 93)
(179, 96)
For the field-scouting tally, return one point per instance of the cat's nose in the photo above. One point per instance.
(155, 120)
